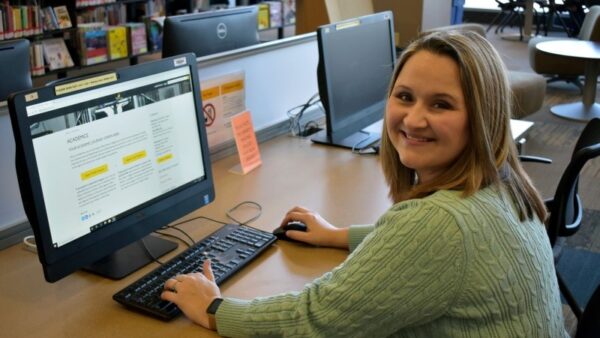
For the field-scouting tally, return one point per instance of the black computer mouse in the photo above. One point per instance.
(293, 225)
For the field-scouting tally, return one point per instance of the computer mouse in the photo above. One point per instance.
(293, 225)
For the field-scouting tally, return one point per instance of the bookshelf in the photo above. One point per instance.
(75, 34)
(85, 28)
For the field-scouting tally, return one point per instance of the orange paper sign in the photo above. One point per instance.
(245, 141)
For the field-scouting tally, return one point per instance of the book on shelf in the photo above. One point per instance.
(154, 30)
(62, 16)
(275, 19)
(137, 38)
(263, 16)
(56, 54)
(49, 20)
(93, 46)
(84, 3)
(36, 59)
(9, 31)
(1, 24)
(289, 12)
(117, 42)
(17, 22)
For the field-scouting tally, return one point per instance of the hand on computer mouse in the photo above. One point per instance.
(281, 232)
(318, 232)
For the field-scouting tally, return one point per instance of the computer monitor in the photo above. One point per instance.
(105, 160)
(15, 74)
(206, 33)
(356, 62)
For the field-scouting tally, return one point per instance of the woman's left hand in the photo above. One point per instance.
(193, 293)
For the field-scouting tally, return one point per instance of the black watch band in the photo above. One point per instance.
(214, 306)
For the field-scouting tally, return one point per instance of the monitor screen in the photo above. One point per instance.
(356, 61)
(103, 161)
(211, 32)
(17, 76)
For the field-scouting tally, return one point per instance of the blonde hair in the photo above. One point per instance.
(491, 156)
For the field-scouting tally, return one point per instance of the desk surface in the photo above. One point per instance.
(345, 188)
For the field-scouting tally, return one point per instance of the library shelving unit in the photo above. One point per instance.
(54, 29)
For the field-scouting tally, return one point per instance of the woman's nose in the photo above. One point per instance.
(415, 116)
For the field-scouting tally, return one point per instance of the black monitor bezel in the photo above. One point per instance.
(174, 42)
(61, 261)
(338, 130)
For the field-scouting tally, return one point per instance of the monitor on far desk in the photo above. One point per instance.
(105, 160)
(211, 32)
(14, 67)
(356, 62)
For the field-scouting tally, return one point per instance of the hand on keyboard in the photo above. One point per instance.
(229, 249)
(193, 293)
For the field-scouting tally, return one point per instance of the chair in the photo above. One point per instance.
(552, 10)
(560, 68)
(588, 325)
(565, 207)
(509, 11)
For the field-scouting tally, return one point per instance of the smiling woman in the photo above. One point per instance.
(462, 252)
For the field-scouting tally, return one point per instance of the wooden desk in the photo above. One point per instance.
(344, 187)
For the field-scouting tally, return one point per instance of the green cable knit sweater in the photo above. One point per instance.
(441, 266)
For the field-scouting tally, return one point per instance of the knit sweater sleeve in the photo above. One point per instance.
(405, 272)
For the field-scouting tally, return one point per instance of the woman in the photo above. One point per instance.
(462, 252)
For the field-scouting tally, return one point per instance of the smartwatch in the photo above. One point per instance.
(212, 310)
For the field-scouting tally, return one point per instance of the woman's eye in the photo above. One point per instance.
(442, 105)
(404, 97)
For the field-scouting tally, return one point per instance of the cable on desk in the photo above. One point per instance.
(29, 243)
(150, 253)
(295, 117)
(173, 236)
(180, 230)
(252, 219)
(361, 141)
(259, 207)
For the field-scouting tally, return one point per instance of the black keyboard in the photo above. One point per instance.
(229, 249)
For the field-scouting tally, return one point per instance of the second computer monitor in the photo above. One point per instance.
(211, 32)
(356, 61)
(14, 67)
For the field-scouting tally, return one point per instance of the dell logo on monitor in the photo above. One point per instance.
(221, 30)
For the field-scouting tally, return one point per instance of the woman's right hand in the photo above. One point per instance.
(319, 232)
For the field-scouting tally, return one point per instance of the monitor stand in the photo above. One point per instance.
(357, 141)
(131, 258)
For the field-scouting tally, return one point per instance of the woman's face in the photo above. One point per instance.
(426, 116)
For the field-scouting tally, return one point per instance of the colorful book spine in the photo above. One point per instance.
(9, 30)
(17, 22)
(117, 42)
(263, 16)
(93, 47)
(137, 38)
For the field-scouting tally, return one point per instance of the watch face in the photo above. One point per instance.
(214, 305)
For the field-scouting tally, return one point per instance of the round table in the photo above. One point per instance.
(590, 52)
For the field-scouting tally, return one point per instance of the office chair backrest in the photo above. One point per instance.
(590, 28)
(566, 209)
(588, 325)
